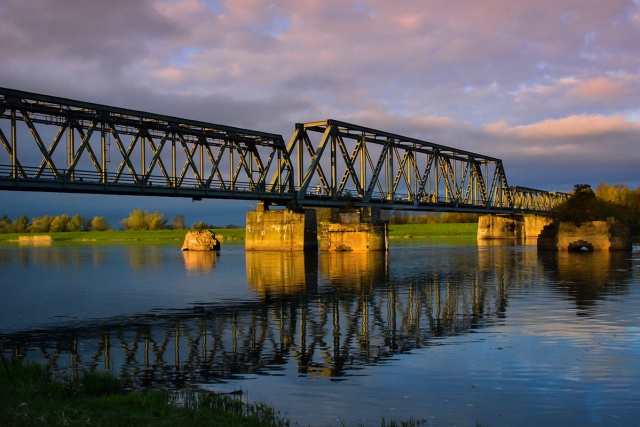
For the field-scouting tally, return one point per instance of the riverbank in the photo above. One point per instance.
(410, 231)
(396, 231)
(124, 236)
(30, 396)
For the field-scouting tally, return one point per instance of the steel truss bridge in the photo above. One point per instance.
(62, 145)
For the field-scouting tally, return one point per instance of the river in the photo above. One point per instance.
(445, 331)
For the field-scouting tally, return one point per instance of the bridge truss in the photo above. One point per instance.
(90, 148)
(338, 163)
(57, 144)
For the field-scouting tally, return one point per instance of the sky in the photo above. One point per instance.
(551, 88)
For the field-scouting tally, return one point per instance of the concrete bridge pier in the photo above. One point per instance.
(534, 224)
(500, 227)
(357, 230)
(517, 227)
(281, 230)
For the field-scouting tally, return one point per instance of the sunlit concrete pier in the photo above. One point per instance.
(519, 227)
(281, 229)
(355, 230)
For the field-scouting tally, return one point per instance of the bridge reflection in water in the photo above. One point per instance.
(328, 315)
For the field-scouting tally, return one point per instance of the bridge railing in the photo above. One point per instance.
(86, 181)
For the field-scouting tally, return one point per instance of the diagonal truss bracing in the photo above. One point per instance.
(530, 200)
(83, 147)
(367, 167)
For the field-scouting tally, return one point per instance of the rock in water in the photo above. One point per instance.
(200, 240)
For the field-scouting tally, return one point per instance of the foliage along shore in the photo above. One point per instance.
(31, 396)
(396, 231)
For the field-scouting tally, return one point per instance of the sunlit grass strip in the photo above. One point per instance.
(126, 235)
(168, 236)
(29, 396)
(433, 230)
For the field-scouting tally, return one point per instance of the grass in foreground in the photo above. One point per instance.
(30, 397)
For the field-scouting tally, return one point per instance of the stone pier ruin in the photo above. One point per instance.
(281, 230)
(356, 230)
(610, 235)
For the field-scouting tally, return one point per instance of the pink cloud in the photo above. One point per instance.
(599, 89)
(572, 127)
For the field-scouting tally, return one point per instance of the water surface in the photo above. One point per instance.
(441, 330)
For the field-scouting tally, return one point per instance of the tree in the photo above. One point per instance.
(41, 225)
(5, 224)
(99, 223)
(59, 223)
(76, 223)
(20, 225)
(155, 221)
(584, 205)
(201, 226)
(178, 222)
(143, 220)
(135, 220)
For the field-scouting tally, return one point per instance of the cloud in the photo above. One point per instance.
(558, 82)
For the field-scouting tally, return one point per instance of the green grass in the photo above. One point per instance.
(227, 234)
(433, 230)
(29, 396)
(127, 235)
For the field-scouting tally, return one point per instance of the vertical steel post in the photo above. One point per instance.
(201, 143)
(174, 170)
(363, 166)
(392, 170)
(14, 145)
(334, 171)
(70, 149)
(301, 135)
(231, 183)
(103, 154)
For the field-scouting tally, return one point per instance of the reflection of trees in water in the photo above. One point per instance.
(63, 257)
(330, 315)
(588, 277)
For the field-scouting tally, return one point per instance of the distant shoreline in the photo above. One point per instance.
(396, 231)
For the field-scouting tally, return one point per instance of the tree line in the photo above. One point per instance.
(137, 220)
(585, 204)
(48, 223)
(616, 200)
